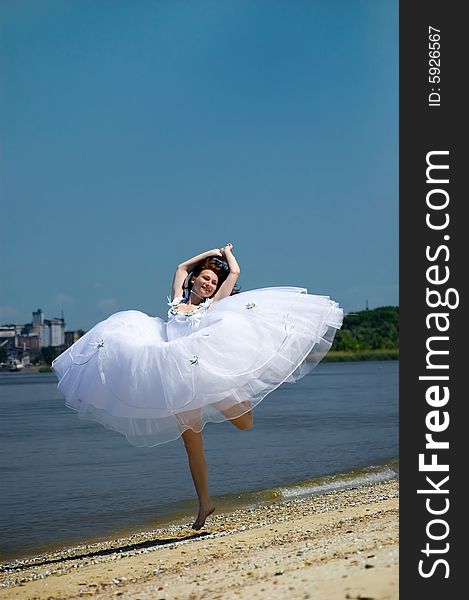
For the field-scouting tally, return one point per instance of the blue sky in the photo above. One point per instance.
(135, 134)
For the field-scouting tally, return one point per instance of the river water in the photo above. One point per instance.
(65, 481)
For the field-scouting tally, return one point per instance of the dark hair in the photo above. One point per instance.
(213, 263)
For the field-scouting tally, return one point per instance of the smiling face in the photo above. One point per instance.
(205, 284)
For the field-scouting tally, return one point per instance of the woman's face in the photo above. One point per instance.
(205, 284)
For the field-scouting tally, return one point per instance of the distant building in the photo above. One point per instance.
(8, 337)
(51, 332)
(38, 317)
(39, 327)
(21, 341)
(16, 344)
(56, 328)
(29, 337)
(72, 336)
(39, 334)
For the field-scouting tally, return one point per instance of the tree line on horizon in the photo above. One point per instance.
(376, 329)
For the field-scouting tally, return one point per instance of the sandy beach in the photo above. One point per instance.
(343, 545)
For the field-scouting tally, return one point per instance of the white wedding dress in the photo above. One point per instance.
(151, 379)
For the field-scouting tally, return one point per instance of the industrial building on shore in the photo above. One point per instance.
(23, 344)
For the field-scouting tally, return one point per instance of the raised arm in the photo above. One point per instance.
(228, 285)
(186, 267)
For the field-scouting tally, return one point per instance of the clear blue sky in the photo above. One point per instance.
(135, 134)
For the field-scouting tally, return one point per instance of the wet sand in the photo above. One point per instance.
(343, 545)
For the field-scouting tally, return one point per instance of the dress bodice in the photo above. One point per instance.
(180, 324)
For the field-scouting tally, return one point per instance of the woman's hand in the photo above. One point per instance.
(216, 251)
(228, 247)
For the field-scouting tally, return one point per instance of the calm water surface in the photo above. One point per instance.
(64, 480)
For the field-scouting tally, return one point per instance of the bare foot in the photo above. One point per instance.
(204, 512)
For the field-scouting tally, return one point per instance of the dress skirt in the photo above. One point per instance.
(151, 379)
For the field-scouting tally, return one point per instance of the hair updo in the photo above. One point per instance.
(215, 264)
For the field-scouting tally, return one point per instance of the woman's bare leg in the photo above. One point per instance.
(198, 466)
(244, 421)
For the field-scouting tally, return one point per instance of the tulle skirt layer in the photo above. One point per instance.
(151, 380)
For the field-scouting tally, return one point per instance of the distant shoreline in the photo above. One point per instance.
(28, 369)
(331, 356)
(360, 355)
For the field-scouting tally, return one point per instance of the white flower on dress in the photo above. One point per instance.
(250, 305)
(173, 305)
(177, 301)
(100, 344)
(194, 360)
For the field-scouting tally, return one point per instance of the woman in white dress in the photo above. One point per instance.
(216, 357)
